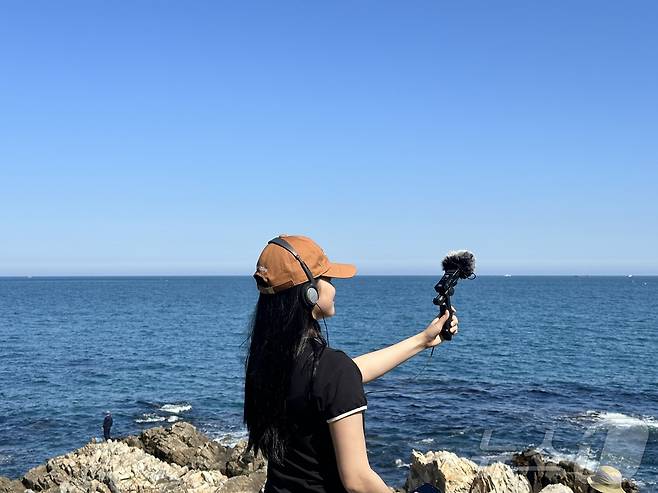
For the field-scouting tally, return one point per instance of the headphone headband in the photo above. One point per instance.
(310, 295)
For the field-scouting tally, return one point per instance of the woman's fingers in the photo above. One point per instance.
(454, 325)
(439, 321)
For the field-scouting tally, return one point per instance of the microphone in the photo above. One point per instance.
(459, 264)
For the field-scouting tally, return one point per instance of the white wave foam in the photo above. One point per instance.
(619, 420)
(399, 463)
(422, 442)
(230, 439)
(150, 418)
(487, 459)
(625, 438)
(5, 459)
(499, 456)
(175, 408)
(172, 419)
(588, 462)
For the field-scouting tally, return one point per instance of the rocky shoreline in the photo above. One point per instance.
(181, 459)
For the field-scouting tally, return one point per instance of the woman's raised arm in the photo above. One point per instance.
(375, 364)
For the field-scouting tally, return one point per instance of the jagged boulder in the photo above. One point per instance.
(44, 477)
(553, 474)
(445, 470)
(182, 444)
(132, 441)
(542, 472)
(114, 467)
(556, 488)
(203, 481)
(10, 485)
(531, 464)
(576, 476)
(499, 478)
(244, 484)
(240, 462)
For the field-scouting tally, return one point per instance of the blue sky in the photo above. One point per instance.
(161, 137)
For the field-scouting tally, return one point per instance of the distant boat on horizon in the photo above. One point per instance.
(508, 275)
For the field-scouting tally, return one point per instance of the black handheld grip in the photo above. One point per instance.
(446, 335)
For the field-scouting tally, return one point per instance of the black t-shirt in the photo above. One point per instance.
(309, 464)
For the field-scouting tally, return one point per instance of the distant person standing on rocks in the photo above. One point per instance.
(304, 401)
(107, 425)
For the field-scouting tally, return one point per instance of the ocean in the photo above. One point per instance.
(567, 364)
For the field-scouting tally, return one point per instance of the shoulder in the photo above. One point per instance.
(334, 355)
(334, 360)
(337, 370)
(338, 386)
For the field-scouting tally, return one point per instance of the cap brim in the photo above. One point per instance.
(603, 488)
(341, 271)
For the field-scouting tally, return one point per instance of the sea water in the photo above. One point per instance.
(567, 364)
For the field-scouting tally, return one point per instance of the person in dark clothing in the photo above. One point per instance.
(304, 401)
(107, 425)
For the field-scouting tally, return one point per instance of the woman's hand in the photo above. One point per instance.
(432, 334)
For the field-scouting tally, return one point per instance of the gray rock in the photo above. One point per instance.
(44, 477)
(133, 441)
(541, 473)
(240, 462)
(445, 470)
(531, 464)
(114, 467)
(10, 485)
(554, 474)
(182, 444)
(244, 484)
(556, 488)
(576, 476)
(499, 478)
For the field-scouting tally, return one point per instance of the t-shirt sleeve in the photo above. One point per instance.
(339, 387)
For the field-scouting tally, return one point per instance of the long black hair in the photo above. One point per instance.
(280, 327)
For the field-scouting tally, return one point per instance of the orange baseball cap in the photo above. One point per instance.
(277, 269)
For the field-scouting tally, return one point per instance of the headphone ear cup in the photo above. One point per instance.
(310, 295)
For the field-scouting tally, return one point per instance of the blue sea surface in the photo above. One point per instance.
(567, 364)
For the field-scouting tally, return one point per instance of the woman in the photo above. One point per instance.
(304, 401)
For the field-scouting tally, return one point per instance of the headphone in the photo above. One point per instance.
(309, 297)
(310, 294)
